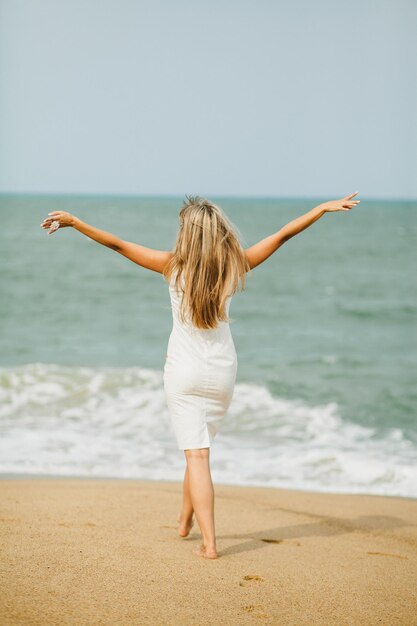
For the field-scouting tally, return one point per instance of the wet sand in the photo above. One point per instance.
(81, 552)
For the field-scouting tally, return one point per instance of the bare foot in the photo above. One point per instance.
(205, 552)
(184, 528)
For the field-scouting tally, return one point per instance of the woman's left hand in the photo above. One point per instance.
(58, 219)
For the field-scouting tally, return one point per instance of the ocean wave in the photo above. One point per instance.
(106, 421)
(378, 311)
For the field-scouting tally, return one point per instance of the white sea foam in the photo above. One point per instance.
(113, 422)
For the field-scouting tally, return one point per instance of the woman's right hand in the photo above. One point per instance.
(344, 204)
(58, 219)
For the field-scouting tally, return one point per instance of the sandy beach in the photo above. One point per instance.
(77, 551)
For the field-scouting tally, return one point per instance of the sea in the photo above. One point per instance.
(325, 332)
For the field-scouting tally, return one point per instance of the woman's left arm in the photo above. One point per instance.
(146, 257)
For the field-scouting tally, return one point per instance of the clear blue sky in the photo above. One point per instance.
(222, 97)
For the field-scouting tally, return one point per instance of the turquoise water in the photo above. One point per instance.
(325, 332)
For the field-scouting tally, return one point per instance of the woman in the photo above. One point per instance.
(203, 273)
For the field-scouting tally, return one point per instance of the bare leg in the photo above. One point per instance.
(185, 518)
(202, 498)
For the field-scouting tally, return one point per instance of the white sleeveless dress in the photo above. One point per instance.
(199, 377)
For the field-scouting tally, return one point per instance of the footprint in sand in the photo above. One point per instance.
(67, 525)
(295, 543)
(256, 610)
(396, 556)
(251, 579)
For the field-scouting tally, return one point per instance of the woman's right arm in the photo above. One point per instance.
(259, 252)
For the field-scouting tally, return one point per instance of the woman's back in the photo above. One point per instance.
(199, 376)
(222, 331)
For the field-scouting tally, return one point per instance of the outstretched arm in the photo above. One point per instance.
(259, 252)
(146, 257)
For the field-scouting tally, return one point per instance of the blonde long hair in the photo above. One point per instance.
(209, 256)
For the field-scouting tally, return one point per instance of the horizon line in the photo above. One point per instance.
(178, 195)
